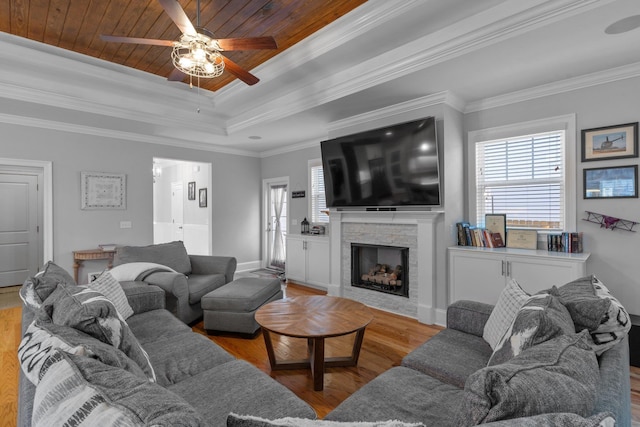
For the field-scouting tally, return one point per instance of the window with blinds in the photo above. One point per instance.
(318, 201)
(522, 177)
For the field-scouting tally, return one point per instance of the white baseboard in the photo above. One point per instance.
(248, 266)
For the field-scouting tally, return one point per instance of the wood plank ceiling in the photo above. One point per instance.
(77, 25)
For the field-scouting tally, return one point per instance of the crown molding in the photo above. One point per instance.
(575, 83)
(121, 135)
(290, 148)
(441, 98)
(359, 21)
(478, 31)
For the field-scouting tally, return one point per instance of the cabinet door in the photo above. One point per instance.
(536, 274)
(296, 260)
(318, 262)
(475, 276)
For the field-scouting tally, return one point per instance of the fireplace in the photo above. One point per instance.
(380, 268)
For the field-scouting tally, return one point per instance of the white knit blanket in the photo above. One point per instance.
(137, 270)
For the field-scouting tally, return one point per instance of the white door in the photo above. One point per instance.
(177, 211)
(276, 210)
(19, 227)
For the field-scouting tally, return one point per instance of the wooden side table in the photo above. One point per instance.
(314, 318)
(90, 254)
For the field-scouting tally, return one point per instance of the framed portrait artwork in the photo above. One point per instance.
(100, 190)
(610, 142)
(496, 223)
(203, 198)
(191, 195)
(611, 182)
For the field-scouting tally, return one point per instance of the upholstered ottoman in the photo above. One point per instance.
(231, 308)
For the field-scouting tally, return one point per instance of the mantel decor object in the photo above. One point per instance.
(100, 190)
(304, 226)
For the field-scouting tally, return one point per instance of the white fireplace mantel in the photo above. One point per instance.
(425, 222)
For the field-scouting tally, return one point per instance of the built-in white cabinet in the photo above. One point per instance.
(480, 274)
(308, 259)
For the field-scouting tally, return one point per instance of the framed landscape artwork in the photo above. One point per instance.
(611, 183)
(610, 142)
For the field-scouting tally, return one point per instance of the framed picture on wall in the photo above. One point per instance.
(203, 198)
(191, 195)
(611, 183)
(100, 190)
(610, 142)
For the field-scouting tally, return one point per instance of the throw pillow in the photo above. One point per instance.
(110, 288)
(592, 307)
(80, 391)
(235, 420)
(509, 302)
(89, 311)
(43, 337)
(559, 375)
(540, 319)
(36, 289)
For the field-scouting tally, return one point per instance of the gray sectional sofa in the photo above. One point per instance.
(446, 381)
(197, 383)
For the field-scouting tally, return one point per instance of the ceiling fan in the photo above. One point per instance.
(197, 52)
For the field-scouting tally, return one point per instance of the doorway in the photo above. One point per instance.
(177, 214)
(275, 217)
(25, 219)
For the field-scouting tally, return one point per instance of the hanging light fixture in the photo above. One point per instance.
(198, 55)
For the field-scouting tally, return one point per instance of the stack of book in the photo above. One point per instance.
(469, 235)
(565, 242)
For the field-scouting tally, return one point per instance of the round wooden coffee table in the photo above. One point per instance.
(315, 318)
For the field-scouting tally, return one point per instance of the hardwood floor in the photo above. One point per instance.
(387, 340)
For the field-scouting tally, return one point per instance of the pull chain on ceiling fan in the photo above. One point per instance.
(197, 52)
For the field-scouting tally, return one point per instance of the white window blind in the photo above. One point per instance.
(522, 177)
(318, 201)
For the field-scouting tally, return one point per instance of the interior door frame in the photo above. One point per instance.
(46, 168)
(266, 184)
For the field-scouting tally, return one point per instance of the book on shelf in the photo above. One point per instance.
(469, 235)
(107, 246)
(570, 242)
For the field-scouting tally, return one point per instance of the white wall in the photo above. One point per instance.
(235, 193)
(614, 254)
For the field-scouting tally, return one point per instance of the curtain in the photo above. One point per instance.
(278, 197)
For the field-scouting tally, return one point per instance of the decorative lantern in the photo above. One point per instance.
(305, 226)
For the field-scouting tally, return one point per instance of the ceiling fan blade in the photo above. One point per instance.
(177, 15)
(248, 43)
(176, 76)
(239, 72)
(136, 40)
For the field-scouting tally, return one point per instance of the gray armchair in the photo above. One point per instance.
(194, 276)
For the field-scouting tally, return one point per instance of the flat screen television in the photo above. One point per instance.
(394, 166)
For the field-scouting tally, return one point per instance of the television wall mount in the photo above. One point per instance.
(609, 222)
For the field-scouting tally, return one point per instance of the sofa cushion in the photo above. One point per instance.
(110, 288)
(540, 319)
(183, 356)
(450, 356)
(202, 284)
(509, 302)
(92, 313)
(36, 289)
(44, 337)
(236, 420)
(223, 389)
(156, 325)
(592, 307)
(401, 393)
(172, 254)
(559, 375)
(562, 419)
(80, 391)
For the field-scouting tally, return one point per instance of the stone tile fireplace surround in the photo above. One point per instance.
(415, 230)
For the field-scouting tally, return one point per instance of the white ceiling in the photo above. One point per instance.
(478, 53)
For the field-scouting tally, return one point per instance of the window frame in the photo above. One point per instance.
(312, 164)
(566, 123)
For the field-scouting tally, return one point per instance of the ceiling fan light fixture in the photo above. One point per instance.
(196, 55)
